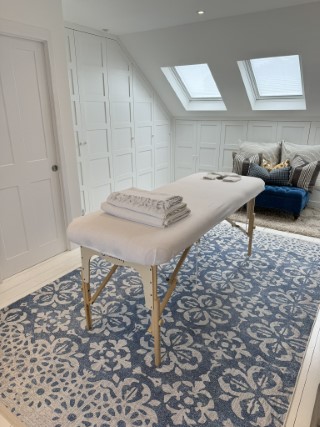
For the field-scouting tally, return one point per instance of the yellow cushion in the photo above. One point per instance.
(271, 167)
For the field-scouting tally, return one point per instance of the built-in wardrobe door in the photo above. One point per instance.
(262, 131)
(208, 146)
(32, 226)
(185, 148)
(94, 139)
(162, 142)
(232, 132)
(314, 137)
(76, 116)
(121, 112)
(295, 132)
(197, 147)
(143, 132)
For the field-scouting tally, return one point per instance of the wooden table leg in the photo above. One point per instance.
(156, 318)
(250, 214)
(86, 300)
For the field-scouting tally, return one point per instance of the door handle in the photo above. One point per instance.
(54, 168)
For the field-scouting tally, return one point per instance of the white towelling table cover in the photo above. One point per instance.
(210, 202)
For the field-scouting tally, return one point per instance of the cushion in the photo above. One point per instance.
(278, 177)
(269, 166)
(304, 174)
(310, 153)
(241, 162)
(270, 150)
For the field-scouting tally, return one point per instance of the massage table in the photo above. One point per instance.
(126, 243)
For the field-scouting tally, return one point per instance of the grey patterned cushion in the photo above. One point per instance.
(309, 153)
(274, 177)
(304, 174)
(270, 150)
(241, 162)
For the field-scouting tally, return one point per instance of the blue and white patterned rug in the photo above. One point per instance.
(233, 340)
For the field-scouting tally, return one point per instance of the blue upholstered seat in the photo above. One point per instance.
(289, 199)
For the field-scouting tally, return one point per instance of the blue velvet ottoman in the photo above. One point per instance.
(288, 199)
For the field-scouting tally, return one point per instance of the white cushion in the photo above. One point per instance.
(270, 150)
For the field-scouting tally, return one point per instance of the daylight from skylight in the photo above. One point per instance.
(277, 76)
(198, 81)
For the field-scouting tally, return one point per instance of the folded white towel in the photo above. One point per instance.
(174, 216)
(148, 202)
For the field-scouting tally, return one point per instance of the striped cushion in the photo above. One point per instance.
(241, 162)
(304, 174)
(274, 177)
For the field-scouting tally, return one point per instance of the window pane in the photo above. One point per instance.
(279, 76)
(198, 81)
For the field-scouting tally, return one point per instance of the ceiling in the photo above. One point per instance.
(121, 17)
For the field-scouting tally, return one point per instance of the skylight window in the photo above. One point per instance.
(279, 76)
(198, 81)
(195, 87)
(274, 83)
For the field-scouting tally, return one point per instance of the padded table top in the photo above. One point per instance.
(210, 201)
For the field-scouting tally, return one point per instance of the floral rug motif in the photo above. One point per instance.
(233, 341)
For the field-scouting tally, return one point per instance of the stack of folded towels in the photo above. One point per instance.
(146, 207)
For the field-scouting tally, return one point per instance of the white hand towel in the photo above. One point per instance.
(149, 202)
(142, 218)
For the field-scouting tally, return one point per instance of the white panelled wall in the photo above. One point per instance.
(122, 132)
(208, 145)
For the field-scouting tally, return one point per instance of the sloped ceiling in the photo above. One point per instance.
(220, 42)
(130, 16)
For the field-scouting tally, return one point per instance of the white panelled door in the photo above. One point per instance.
(231, 134)
(185, 148)
(208, 146)
(32, 226)
(295, 132)
(144, 133)
(121, 112)
(162, 139)
(197, 147)
(94, 141)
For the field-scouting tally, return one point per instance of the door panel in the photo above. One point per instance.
(162, 163)
(208, 146)
(295, 132)
(231, 134)
(262, 131)
(32, 226)
(143, 132)
(121, 115)
(14, 236)
(185, 148)
(95, 170)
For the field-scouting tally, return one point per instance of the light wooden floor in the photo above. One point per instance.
(28, 281)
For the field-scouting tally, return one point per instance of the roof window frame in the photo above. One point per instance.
(188, 102)
(265, 102)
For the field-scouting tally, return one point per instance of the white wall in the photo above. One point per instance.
(221, 43)
(47, 15)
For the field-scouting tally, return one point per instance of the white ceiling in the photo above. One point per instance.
(131, 16)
